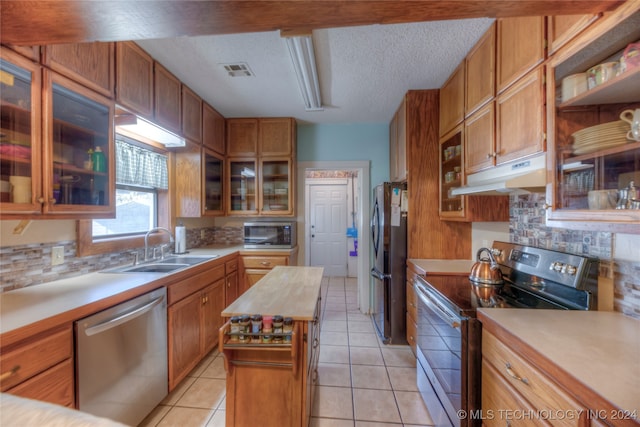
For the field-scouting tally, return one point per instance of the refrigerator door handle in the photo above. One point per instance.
(375, 228)
(378, 275)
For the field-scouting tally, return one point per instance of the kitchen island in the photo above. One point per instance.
(272, 383)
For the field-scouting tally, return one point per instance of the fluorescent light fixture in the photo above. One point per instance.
(148, 130)
(304, 64)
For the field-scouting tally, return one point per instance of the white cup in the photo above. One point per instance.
(633, 118)
(602, 199)
(20, 189)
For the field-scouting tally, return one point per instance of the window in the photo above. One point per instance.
(142, 200)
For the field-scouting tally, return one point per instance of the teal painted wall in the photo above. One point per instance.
(369, 141)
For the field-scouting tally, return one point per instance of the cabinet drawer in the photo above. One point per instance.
(264, 261)
(501, 404)
(180, 290)
(34, 356)
(54, 385)
(532, 384)
(231, 266)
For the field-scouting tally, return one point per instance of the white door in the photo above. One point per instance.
(328, 228)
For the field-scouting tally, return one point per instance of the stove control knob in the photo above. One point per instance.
(496, 252)
(571, 270)
(557, 266)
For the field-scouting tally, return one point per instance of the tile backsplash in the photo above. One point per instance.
(527, 226)
(25, 265)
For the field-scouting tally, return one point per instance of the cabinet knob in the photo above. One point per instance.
(265, 263)
(53, 200)
(10, 373)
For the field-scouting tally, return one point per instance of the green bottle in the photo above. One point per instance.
(99, 161)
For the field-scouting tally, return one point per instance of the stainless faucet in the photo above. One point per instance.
(146, 240)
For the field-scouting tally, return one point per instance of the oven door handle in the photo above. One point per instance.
(445, 314)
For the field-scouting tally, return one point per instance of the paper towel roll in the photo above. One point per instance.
(181, 239)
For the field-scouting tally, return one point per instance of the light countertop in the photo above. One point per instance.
(288, 291)
(442, 266)
(25, 306)
(600, 349)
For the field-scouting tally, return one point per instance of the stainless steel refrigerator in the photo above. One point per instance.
(389, 243)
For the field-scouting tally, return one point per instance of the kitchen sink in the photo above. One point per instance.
(166, 265)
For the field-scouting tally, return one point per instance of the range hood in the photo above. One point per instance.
(529, 175)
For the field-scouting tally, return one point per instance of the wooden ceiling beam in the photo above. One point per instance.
(27, 22)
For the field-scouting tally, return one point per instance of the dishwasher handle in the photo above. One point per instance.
(122, 318)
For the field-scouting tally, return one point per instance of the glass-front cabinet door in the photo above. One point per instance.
(595, 152)
(451, 174)
(243, 196)
(213, 184)
(276, 186)
(78, 156)
(20, 88)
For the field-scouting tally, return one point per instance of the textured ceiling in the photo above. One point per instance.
(364, 71)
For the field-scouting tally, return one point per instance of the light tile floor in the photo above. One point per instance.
(362, 382)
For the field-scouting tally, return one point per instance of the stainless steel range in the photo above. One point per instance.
(449, 335)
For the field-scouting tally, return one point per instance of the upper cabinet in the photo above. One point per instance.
(213, 136)
(520, 47)
(480, 73)
(452, 96)
(191, 115)
(261, 165)
(54, 172)
(91, 64)
(398, 144)
(562, 28)
(594, 156)
(134, 79)
(167, 102)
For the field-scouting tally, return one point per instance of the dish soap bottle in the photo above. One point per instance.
(99, 161)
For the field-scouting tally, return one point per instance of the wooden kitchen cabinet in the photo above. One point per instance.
(134, 79)
(466, 208)
(479, 141)
(213, 135)
(255, 267)
(480, 75)
(193, 318)
(30, 51)
(40, 367)
(412, 309)
(213, 183)
(579, 169)
(189, 193)
(91, 64)
(563, 28)
(398, 144)
(452, 96)
(242, 137)
(231, 281)
(261, 182)
(167, 100)
(510, 382)
(520, 47)
(520, 119)
(191, 115)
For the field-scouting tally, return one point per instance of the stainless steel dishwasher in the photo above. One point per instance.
(121, 355)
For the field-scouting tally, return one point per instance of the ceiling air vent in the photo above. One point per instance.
(240, 69)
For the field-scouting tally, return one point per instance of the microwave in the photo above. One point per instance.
(274, 235)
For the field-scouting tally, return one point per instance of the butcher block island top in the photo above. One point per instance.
(287, 291)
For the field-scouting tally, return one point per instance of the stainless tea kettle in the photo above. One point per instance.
(486, 271)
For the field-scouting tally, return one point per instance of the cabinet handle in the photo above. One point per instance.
(411, 338)
(513, 374)
(10, 373)
(265, 263)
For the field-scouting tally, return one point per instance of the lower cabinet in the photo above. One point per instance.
(512, 386)
(41, 367)
(193, 318)
(272, 383)
(412, 310)
(231, 279)
(255, 267)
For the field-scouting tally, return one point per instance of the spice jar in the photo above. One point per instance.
(244, 328)
(255, 339)
(277, 324)
(234, 330)
(287, 328)
(267, 325)
(266, 339)
(256, 323)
